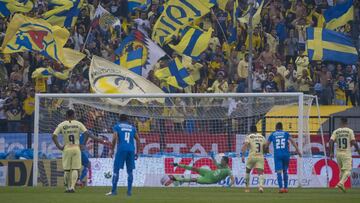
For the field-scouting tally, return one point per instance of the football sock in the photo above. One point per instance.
(286, 179)
(247, 179)
(83, 173)
(130, 181)
(74, 178)
(279, 179)
(67, 179)
(261, 179)
(115, 180)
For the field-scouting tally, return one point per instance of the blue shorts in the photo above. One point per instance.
(85, 158)
(282, 162)
(123, 157)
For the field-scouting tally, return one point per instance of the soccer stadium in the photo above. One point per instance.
(179, 101)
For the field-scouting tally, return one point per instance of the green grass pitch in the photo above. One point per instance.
(175, 195)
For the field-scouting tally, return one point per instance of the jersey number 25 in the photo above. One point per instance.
(280, 143)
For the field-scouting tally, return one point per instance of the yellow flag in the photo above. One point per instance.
(37, 35)
(177, 15)
(193, 43)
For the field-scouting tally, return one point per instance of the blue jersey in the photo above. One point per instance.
(280, 141)
(126, 135)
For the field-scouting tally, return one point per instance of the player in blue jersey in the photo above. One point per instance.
(85, 162)
(124, 138)
(280, 140)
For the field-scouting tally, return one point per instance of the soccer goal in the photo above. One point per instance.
(184, 128)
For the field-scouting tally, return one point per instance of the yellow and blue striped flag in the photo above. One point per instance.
(328, 45)
(142, 5)
(175, 75)
(176, 16)
(37, 35)
(132, 60)
(233, 28)
(63, 13)
(193, 43)
(339, 15)
(8, 7)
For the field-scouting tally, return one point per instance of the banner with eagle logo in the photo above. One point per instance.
(107, 77)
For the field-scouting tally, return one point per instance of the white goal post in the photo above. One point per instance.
(217, 114)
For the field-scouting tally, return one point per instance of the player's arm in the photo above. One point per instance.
(56, 142)
(91, 135)
(212, 155)
(243, 150)
(331, 145)
(113, 144)
(137, 139)
(55, 137)
(293, 143)
(354, 143)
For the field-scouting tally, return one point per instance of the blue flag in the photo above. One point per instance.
(339, 15)
(328, 45)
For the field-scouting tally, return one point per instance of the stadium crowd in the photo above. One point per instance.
(280, 63)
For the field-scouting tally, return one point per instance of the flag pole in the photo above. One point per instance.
(222, 30)
(87, 38)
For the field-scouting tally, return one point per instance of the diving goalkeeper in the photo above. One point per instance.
(207, 176)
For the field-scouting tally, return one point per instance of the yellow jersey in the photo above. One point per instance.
(343, 137)
(256, 143)
(71, 131)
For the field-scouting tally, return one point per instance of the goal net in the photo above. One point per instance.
(182, 128)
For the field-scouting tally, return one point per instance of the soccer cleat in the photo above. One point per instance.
(281, 190)
(80, 184)
(247, 190)
(110, 194)
(341, 187)
(261, 189)
(285, 190)
(71, 191)
(67, 191)
(129, 193)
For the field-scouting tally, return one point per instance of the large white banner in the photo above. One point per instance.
(149, 171)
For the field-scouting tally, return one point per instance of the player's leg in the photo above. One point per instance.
(259, 165)
(118, 164)
(130, 166)
(345, 168)
(278, 168)
(190, 168)
(85, 162)
(286, 161)
(75, 167)
(249, 166)
(66, 162)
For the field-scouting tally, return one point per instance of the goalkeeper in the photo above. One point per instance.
(207, 176)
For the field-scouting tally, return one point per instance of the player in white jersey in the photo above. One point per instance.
(255, 142)
(344, 139)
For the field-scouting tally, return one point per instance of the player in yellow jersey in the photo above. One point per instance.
(344, 139)
(70, 129)
(255, 142)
